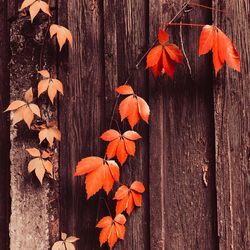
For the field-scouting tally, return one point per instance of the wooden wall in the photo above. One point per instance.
(196, 120)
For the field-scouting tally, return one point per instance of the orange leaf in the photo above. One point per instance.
(35, 7)
(62, 34)
(125, 90)
(112, 229)
(127, 198)
(99, 174)
(163, 37)
(133, 107)
(120, 145)
(163, 57)
(212, 38)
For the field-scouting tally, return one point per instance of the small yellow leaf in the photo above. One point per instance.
(15, 105)
(72, 239)
(35, 109)
(42, 86)
(59, 245)
(18, 115)
(48, 166)
(33, 164)
(44, 73)
(63, 236)
(33, 152)
(26, 3)
(40, 172)
(28, 96)
(28, 116)
(62, 34)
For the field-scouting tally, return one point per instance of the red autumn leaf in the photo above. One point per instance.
(132, 107)
(34, 7)
(100, 173)
(128, 198)
(120, 145)
(163, 57)
(112, 229)
(212, 38)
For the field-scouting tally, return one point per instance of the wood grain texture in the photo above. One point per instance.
(232, 126)
(34, 208)
(81, 115)
(182, 210)
(4, 128)
(125, 38)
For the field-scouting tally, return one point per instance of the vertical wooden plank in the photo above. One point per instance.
(125, 38)
(182, 210)
(81, 114)
(232, 126)
(4, 128)
(33, 207)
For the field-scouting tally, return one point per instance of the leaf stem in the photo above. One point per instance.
(187, 24)
(206, 7)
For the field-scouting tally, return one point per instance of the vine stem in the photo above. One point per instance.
(136, 67)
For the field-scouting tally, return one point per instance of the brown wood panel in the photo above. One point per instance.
(34, 208)
(182, 209)
(4, 128)
(232, 126)
(81, 114)
(125, 38)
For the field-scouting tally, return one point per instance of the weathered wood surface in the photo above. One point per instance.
(125, 40)
(81, 114)
(232, 127)
(4, 128)
(182, 209)
(194, 122)
(34, 207)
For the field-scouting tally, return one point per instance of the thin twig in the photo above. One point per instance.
(187, 24)
(206, 7)
(43, 44)
(183, 50)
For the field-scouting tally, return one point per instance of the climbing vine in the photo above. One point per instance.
(103, 172)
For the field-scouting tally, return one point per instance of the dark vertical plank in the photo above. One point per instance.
(232, 126)
(125, 38)
(182, 210)
(81, 114)
(4, 128)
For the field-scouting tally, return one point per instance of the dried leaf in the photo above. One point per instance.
(49, 133)
(50, 84)
(62, 33)
(34, 7)
(24, 110)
